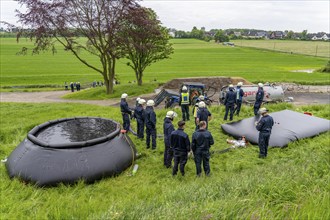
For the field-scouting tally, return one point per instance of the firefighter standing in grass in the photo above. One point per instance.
(230, 102)
(201, 98)
(239, 97)
(203, 114)
(126, 113)
(259, 98)
(184, 102)
(139, 114)
(264, 126)
(150, 120)
(168, 128)
(200, 144)
(181, 146)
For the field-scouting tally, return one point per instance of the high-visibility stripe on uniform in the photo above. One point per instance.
(185, 98)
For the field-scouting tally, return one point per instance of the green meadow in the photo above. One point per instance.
(292, 183)
(311, 48)
(192, 58)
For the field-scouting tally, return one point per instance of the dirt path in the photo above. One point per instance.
(309, 96)
(55, 96)
(51, 96)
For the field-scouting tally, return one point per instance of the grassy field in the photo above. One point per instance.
(311, 48)
(292, 183)
(192, 58)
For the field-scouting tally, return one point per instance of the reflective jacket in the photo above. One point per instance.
(184, 99)
(239, 93)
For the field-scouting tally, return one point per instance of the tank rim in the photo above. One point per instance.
(31, 135)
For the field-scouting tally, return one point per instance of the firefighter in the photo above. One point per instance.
(264, 126)
(239, 97)
(230, 102)
(181, 146)
(139, 114)
(203, 114)
(137, 101)
(200, 144)
(150, 120)
(184, 102)
(168, 128)
(259, 97)
(195, 109)
(126, 112)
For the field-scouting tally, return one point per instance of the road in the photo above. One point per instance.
(300, 98)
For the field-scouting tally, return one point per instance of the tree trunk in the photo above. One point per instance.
(138, 78)
(107, 85)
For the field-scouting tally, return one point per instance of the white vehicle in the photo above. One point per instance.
(272, 92)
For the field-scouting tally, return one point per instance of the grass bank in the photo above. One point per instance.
(292, 183)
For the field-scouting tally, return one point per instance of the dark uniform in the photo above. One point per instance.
(72, 87)
(230, 103)
(184, 103)
(126, 113)
(168, 153)
(239, 99)
(203, 114)
(150, 120)
(264, 127)
(200, 144)
(140, 117)
(259, 98)
(180, 144)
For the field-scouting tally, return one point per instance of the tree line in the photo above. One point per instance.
(224, 35)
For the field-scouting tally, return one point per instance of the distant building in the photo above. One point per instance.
(320, 36)
(276, 35)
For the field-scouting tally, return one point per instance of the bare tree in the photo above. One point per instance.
(145, 40)
(79, 25)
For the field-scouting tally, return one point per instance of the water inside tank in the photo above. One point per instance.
(76, 130)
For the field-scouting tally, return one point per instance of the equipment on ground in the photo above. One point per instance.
(71, 149)
(273, 93)
(288, 126)
(171, 97)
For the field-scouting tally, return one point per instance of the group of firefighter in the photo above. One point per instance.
(177, 142)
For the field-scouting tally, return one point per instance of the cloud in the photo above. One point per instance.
(296, 15)
(268, 15)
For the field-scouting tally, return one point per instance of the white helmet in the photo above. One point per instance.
(184, 88)
(263, 110)
(260, 85)
(201, 104)
(171, 114)
(150, 103)
(231, 86)
(201, 97)
(239, 83)
(124, 96)
(137, 99)
(141, 101)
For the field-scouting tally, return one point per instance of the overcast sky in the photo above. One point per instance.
(296, 15)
